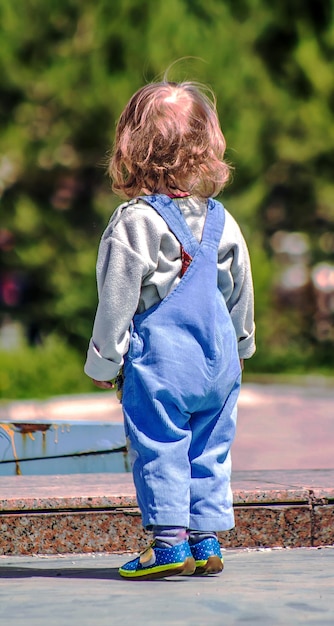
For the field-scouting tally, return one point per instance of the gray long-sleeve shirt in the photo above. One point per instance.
(139, 263)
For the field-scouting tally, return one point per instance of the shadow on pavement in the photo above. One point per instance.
(104, 573)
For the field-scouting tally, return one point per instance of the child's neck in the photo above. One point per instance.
(178, 194)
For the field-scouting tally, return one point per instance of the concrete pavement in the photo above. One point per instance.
(269, 587)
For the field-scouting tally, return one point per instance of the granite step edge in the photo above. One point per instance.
(114, 491)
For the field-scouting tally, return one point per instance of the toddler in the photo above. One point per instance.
(175, 316)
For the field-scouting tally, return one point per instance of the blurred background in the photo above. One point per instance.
(67, 69)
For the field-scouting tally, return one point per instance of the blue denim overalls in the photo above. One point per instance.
(182, 380)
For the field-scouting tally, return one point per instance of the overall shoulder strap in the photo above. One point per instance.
(174, 219)
(214, 223)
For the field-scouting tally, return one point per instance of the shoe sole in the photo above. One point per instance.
(187, 568)
(214, 565)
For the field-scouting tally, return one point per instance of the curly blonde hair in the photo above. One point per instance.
(168, 139)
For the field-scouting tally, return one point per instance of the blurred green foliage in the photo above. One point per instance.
(42, 371)
(67, 69)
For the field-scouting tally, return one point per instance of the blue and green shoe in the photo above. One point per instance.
(157, 562)
(208, 557)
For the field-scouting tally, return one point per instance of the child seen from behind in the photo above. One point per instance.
(175, 315)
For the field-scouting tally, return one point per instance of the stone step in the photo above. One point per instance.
(98, 512)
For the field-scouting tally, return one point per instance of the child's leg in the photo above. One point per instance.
(213, 432)
(210, 490)
(159, 436)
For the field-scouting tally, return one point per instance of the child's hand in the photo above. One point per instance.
(103, 384)
(242, 364)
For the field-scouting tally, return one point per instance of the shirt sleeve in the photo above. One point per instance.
(126, 255)
(235, 282)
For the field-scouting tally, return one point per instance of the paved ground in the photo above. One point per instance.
(285, 427)
(268, 587)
